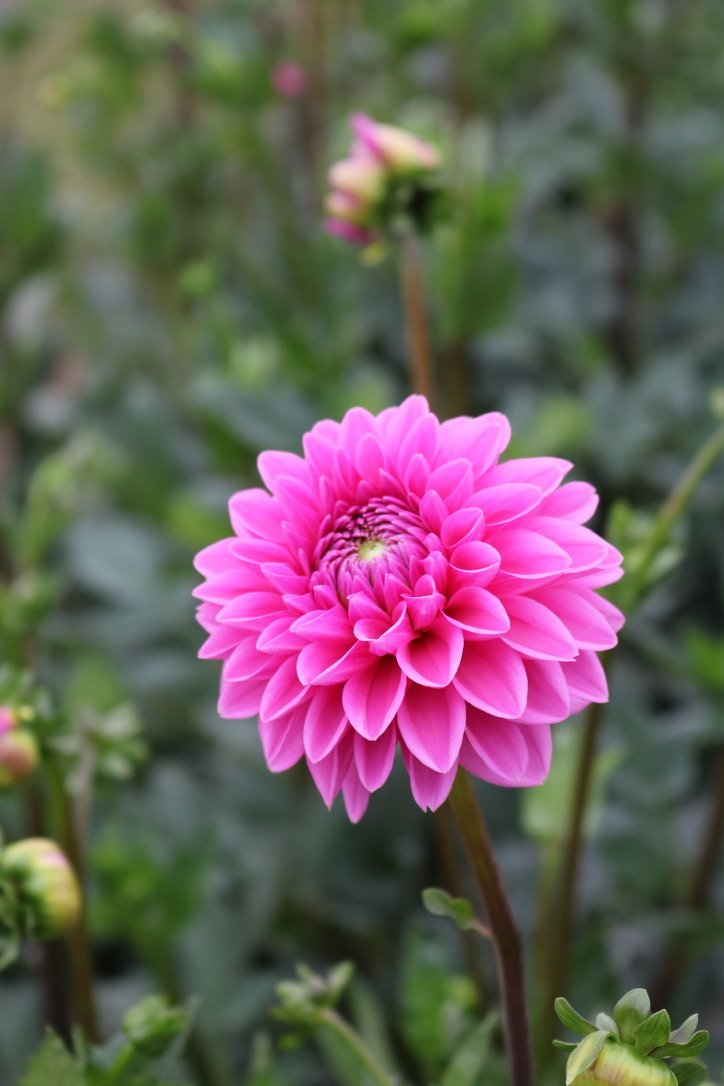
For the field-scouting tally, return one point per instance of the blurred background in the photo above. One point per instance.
(170, 305)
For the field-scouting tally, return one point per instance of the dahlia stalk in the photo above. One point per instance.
(400, 588)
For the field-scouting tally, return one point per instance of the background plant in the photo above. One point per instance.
(169, 305)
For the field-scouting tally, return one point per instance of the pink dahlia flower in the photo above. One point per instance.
(400, 587)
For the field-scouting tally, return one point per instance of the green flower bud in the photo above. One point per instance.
(18, 756)
(620, 1065)
(153, 1025)
(45, 888)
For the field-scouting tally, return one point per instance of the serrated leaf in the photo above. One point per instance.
(652, 1032)
(52, 1063)
(585, 1054)
(630, 1012)
(692, 1047)
(689, 1074)
(458, 909)
(572, 1019)
(685, 1031)
(604, 1021)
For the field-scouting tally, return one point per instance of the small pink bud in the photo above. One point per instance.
(394, 146)
(46, 889)
(289, 79)
(18, 756)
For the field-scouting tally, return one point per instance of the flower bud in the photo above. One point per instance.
(383, 186)
(620, 1065)
(8, 719)
(154, 1024)
(18, 756)
(44, 885)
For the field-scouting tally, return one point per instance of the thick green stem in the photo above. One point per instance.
(354, 1042)
(418, 341)
(506, 938)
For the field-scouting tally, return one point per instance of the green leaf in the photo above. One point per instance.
(458, 909)
(652, 1032)
(689, 1073)
(585, 1054)
(630, 1012)
(572, 1019)
(604, 1021)
(472, 1057)
(54, 1064)
(691, 1048)
(685, 1031)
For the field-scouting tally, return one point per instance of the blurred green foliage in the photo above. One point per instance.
(170, 305)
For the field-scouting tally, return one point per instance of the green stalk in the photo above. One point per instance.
(329, 1017)
(506, 938)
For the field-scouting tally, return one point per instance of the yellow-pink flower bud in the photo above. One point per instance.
(44, 885)
(18, 756)
(621, 1065)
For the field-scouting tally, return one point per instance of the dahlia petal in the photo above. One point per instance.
(254, 512)
(544, 472)
(281, 740)
(355, 426)
(433, 511)
(461, 526)
(221, 587)
(256, 551)
(216, 558)
(356, 796)
(274, 463)
(252, 610)
(477, 610)
(507, 501)
(585, 548)
(239, 701)
(382, 634)
(219, 643)
(245, 662)
(372, 697)
(538, 742)
(433, 657)
(453, 482)
(573, 501)
(328, 662)
(539, 631)
(277, 638)
(578, 611)
(369, 458)
(492, 677)
(425, 604)
(325, 723)
(476, 559)
(549, 699)
(586, 680)
(283, 691)
(374, 760)
(432, 725)
(395, 423)
(429, 788)
(480, 440)
(528, 554)
(421, 439)
(416, 474)
(325, 625)
(329, 773)
(283, 577)
(500, 743)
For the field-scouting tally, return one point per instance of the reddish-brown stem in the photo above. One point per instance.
(418, 342)
(506, 938)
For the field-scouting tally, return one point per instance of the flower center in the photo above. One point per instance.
(371, 549)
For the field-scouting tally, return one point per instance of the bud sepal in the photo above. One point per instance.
(629, 1048)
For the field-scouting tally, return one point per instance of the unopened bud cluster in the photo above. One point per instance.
(387, 183)
(18, 748)
(631, 1047)
(39, 889)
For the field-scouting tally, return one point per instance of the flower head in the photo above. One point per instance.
(43, 886)
(18, 756)
(385, 182)
(400, 587)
